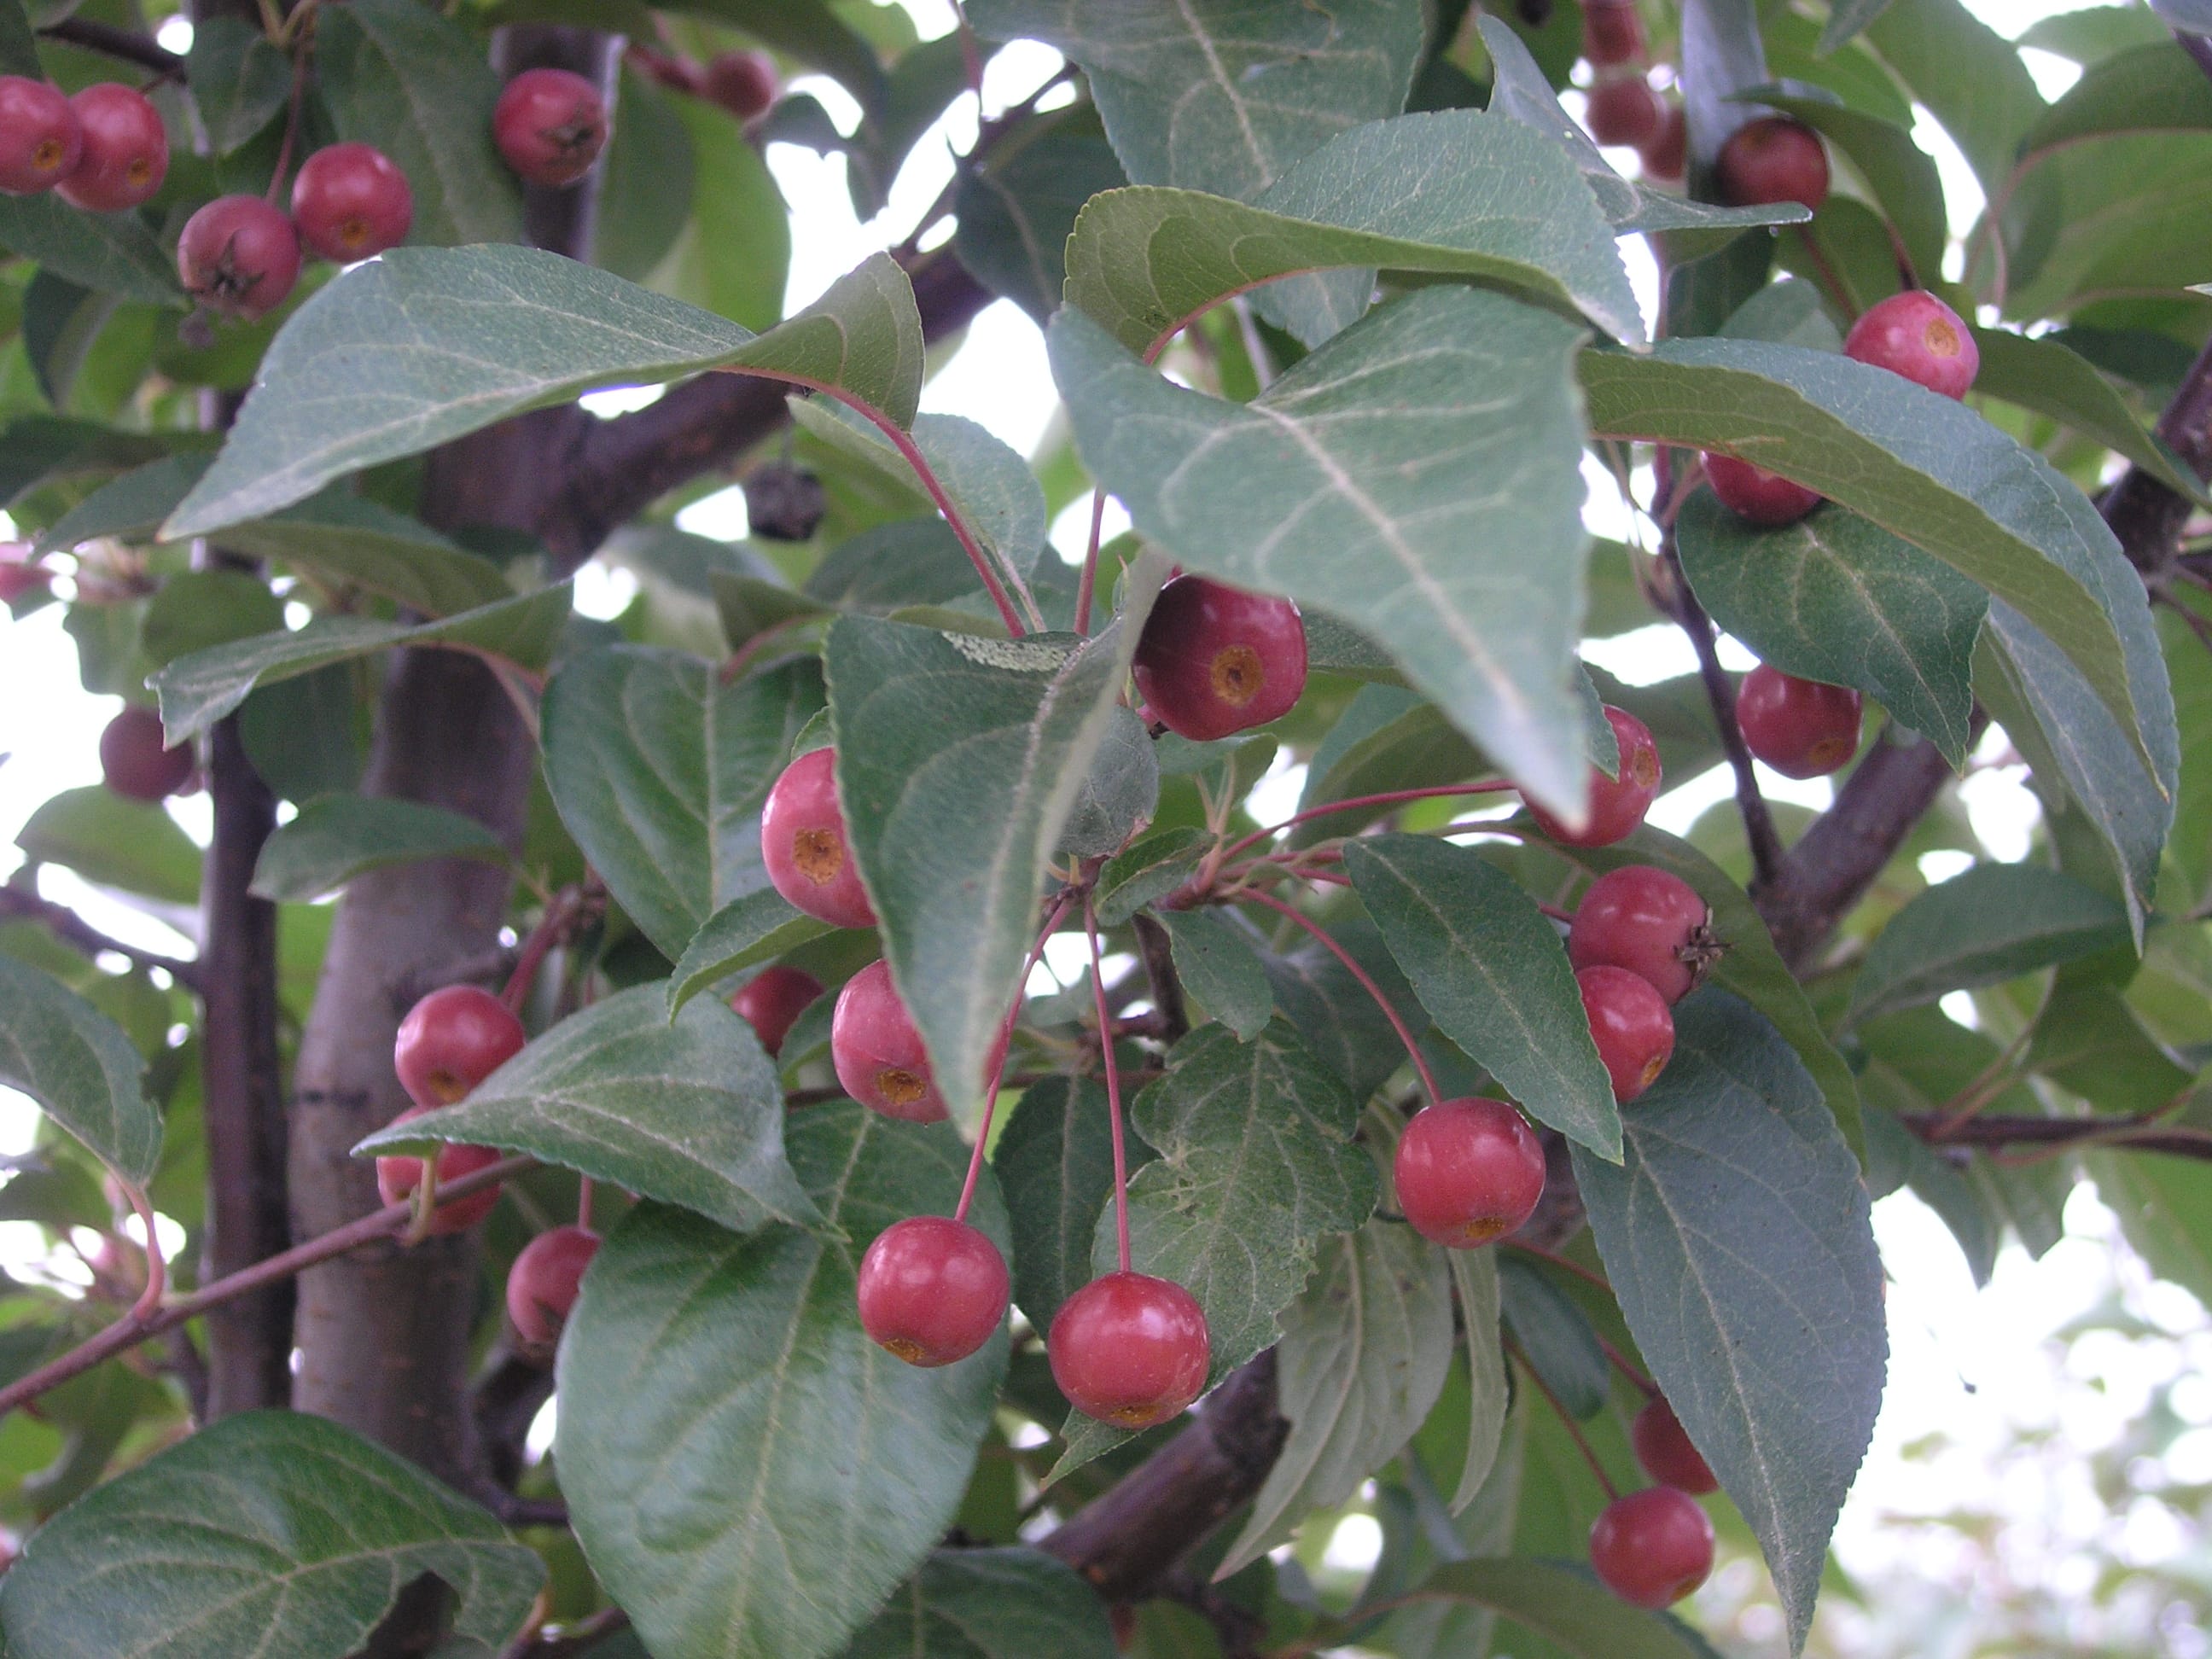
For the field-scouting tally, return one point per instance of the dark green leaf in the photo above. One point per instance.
(1423, 461)
(1219, 966)
(79, 1067)
(199, 689)
(749, 606)
(130, 506)
(1920, 466)
(308, 737)
(408, 80)
(749, 1475)
(1971, 78)
(1493, 974)
(199, 610)
(1994, 923)
(1475, 1283)
(646, 183)
(1458, 192)
(1900, 173)
(107, 253)
(1055, 1161)
(688, 1112)
(660, 771)
(2150, 88)
(989, 1604)
(19, 47)
(930, 725)
(268, 1532)
(1017, 210)
(1567, 1606)
(1257, 1165)
(758, 928)
(1897, 1158)
(350, 540)
(1738, 1243)
(888, 567)
(1364, 1355)
(1121, 789)
(1789, 313)
(1151, 870)
(734, 255)
(1555, 1336)
(1848, 18)
(1834, 598)
(1225, 97)
(341, 836)
(1334, 1012)
(238, 79)
(2045, 375)
(115, 841)
(62, 323)
(497, 331)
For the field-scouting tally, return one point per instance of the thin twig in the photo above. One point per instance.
(1766, 850)
(127, 45)
(1112, 1087)
(1389, 798)
(1367, 983)
(65, 924)
(1566, 1421)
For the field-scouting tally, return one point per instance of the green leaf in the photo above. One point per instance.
(1219, 966)
(2147, 235)
(1752, 968)
(1738, 1243)
(199, 689)
(19, 47)
(107, 253)
(80, 1067)
(199, 610)
(1016, 211)
(413, 83)
(1222, 96)
(130, 506)
(2058, 721)
(112, 842)
(888, 567)
(266, 1532)
(339, 837)
(1994, 923)
(2150, 88)
(1257, 1165)
(1567, 1606)
(989, 1604)
(1896, 1158)
(1151, 869)
(495, 331)
(810, 31)
(747, 1473)
(758, 928)
(1421, 462)
(660, 770)
(1334, 1012)
(348, 539)
(733, 255)
(1120, 791)
(929, 725)
(648, 184)
(1556, 1337)
(1901, 175)
(1364, 1355)
(2046, 375)
(689, 1112)
(1055, 1161)
(1492, 972)
(1474, 1282)
(1848, 18)
(1923, 467)
(1456, 193)
(1834, 598)
(1971, 78)
(238, 79)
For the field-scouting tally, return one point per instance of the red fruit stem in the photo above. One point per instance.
(157, 1271)
(1564, 1263)
(300, 60)
(1412, 1049)
(1113, 1088)
(998, 1072)
(584, 1193)
(1566, 1421)
(1087, 588)
(133, 1328)
(971, 55)
(1389, 798)
(532, 956)
(1622, 1364)
(1555, 912)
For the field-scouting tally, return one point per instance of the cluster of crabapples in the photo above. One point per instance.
(1806, 728)
(1623, 109)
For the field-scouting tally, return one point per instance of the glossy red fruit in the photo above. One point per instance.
(1773, 159)
(1623, 112)
(240, 256)
(550, 125)
(1629, 1023)
(133, 760)
(453, 1039)
(1650, 922)
(351, 201)
(1215, 660)
(1801, 728)
(772, 1001)
(542, 1285)
(1612, 32)
(1665, 1451)
(1617, 804)
(1754, 494)
(40, 136)
(1468, 1172)
(126, 151)
(398, 1177)
(1668, 150)
(932, 1290)
(19, 573)
(1915, 335)
(878, 1054)
(743, 82)
(803, 844)
(1652, 1547)
(1130, 1350)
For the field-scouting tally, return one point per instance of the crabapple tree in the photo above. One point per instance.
(986, 1062)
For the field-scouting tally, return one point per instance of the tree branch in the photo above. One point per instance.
(19, 904)
(1766, 851)
(2134, 1135)
(128, 45)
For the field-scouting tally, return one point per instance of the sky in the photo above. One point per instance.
(1974, 1370)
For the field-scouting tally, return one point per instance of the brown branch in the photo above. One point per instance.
(2146, 513)
(19, 904)
(128, 45)
(1153, 950)
(131, 1330)
(2135, 1134)
(1767, 850)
